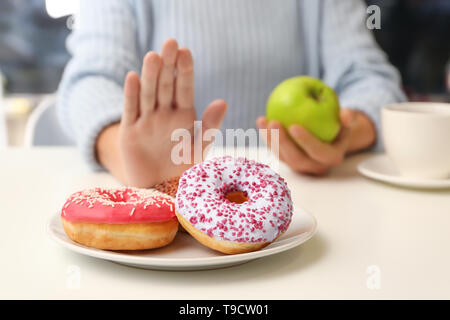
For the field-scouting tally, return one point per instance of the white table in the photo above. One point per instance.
(374, 241)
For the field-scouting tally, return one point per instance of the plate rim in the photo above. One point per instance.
(182, 262)
(399, 180)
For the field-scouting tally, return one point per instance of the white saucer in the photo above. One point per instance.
(381, 168)
(185, 253)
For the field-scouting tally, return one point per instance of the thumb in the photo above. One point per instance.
(212, 119)
(213, 116)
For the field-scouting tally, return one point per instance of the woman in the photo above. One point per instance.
(242, 50)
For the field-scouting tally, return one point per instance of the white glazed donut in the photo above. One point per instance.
(233, 205)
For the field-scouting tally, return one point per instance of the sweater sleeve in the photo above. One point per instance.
(353, 63)
(104, 48)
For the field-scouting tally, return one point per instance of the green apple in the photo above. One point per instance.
(308, 102)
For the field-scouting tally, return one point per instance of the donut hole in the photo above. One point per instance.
(120, 197)
(237, 197)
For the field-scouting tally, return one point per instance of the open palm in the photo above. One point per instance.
(156, 104)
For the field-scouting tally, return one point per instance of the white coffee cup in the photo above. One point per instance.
(416, 137)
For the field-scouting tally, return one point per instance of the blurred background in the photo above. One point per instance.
(414, 33)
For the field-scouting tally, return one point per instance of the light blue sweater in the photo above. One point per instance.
(242, 49)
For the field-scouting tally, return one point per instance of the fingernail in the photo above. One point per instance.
(261, 122)
(274, 125)
(293, 130)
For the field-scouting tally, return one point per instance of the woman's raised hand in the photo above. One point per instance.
(156, 104)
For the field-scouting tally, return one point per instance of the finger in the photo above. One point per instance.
(184, 91)
(261, 123)
(343, 140)
(213, 115)
(347, 116)
(149, 80)
(290, 153)
(318, 150)
(131, 95)
(166, 77)
(348, 121)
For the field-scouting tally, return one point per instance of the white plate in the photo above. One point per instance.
(381, 168)
(185, 253)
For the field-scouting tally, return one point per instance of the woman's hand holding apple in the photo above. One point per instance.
(306, 154)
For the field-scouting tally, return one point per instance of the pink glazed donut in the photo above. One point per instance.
(120, 219)
(233, 205)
